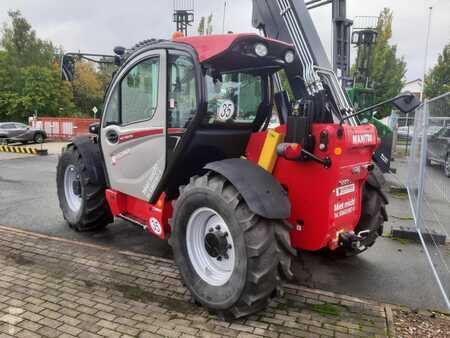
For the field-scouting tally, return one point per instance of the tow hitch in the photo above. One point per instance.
(354, 242)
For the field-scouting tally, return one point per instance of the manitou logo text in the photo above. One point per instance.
(362, 138)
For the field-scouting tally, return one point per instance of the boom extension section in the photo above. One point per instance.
(310, 75)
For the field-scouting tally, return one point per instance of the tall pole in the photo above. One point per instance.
(427, 45)
(224, 15)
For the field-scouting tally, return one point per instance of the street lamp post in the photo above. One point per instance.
(427, 46)
(224, 15)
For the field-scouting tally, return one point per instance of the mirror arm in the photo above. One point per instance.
(365, 110)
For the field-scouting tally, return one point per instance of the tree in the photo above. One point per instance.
(201, 26)
(387, 72)
(43, 91)
(205, 26)
(22, 46)
(87, 87)
(437, 81)
(38, 89)
(29, 80)
(209, 26)
(105, 72)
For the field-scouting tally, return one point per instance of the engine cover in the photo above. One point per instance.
(325, 201)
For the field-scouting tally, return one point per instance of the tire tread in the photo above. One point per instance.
(268, 247)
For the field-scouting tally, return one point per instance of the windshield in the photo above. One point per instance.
(233, 98)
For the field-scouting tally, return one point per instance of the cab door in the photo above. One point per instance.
(133, 126)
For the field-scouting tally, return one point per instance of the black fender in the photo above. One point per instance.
(92, 157)
(261, 191)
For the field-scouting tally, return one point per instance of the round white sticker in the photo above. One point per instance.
(156, 226)
(225, 110)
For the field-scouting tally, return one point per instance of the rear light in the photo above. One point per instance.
(289, 151)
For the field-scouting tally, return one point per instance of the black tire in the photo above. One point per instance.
(39, 138)
(373, 216)
(447, 166)
(94, 212)
(262, 246)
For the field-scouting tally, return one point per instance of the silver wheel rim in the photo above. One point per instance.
(39, 138)
(213, 271)
(70, 176)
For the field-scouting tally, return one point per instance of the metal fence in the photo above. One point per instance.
(428, 185)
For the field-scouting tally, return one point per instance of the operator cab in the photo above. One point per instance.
(237, 99)
(174, 106)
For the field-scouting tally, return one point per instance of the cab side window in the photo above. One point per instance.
(135, 98)
(139, 92)
(182, 94)
(112, 112)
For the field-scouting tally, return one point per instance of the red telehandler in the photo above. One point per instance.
(183, 150)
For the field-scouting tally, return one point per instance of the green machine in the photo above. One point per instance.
(361, 91)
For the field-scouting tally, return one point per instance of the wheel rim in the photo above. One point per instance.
(71, 179)
(205, 227)
(39, 138)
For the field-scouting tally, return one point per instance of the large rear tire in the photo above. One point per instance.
(373, 214)
(231, 259)
(81, 198)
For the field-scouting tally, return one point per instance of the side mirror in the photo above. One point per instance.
(406, 102)
(94, 128)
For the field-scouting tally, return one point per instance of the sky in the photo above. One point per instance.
(97, 26)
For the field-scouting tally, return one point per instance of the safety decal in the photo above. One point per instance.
(153, 178)
(155, 226)
(346, 189)
(344, 208)
(141, 133)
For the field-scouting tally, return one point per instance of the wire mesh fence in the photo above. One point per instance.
(429, 185)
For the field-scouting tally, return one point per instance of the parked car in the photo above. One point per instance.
(403, 133)
(438, 149)
(19, 132)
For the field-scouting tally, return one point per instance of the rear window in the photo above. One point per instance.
(233, 98)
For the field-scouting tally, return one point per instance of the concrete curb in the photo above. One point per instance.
(23, 150)
(389, 321)
(412, 235)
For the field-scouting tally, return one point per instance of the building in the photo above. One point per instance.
(415, 87)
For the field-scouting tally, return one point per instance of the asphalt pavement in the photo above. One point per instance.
(392, 271)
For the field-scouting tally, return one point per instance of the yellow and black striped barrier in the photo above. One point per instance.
(23, 150)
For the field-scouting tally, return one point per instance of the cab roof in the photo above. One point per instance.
(211, 46)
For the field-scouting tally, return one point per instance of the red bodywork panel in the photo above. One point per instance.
(324, 202)
(154, 218)
(210, 46)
